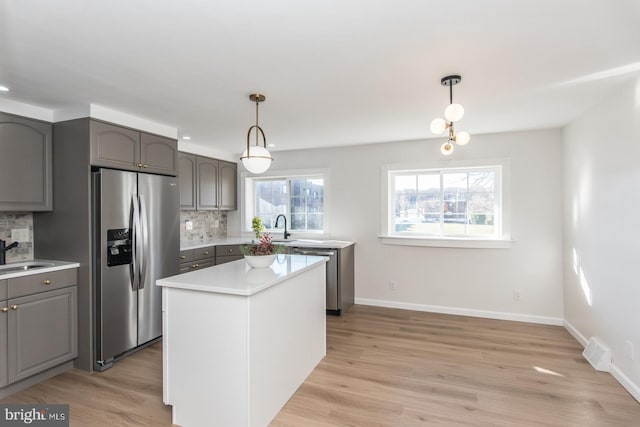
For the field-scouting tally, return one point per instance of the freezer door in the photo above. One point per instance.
(116, 298)
(160, 218)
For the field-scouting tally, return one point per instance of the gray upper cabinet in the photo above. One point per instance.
(206, 183)
(114, 146)
(128, 149)
(187, 179)
(227, 185)
(158, 154)
(25, 164)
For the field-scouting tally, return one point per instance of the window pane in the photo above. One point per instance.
(406, 203)
(446, 203)
(271, 200)
(307, 204)
(482, 181)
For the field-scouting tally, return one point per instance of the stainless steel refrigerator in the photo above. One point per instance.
(136, 220)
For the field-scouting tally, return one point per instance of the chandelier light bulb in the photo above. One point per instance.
(446, 148)
(438, 126)
(454, 112)
(462, 138)
(259, 161)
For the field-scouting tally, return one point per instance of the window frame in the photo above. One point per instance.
(388, 234)
(248, 205)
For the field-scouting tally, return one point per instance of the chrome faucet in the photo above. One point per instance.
(286, 235)
(4, 249)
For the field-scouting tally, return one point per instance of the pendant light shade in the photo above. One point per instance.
(452, 114)
(446, 148)
(256, 158)
(259, 161)
(438, 126)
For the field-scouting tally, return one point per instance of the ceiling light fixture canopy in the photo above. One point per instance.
(452, 113)
(256, 158)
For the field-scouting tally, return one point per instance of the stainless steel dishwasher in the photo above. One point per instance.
(340, 276)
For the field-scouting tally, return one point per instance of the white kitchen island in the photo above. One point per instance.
(238, 342)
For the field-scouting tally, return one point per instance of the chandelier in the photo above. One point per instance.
(452, 114)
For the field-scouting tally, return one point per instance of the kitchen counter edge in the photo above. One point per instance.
(302, 243)
(57, 266)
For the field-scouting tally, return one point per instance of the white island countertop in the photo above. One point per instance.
(237, 278)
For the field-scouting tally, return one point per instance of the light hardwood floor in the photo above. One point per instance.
(387, 367)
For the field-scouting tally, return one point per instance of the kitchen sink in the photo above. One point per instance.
(23, 266)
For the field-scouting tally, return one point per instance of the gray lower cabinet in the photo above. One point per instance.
(4, 322)
(41, 332)
(129, 149)
(206, 183)
(38, 323)
(228, 253)
(195, 259)
(26, 174)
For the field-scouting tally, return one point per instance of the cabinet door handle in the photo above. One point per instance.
(183, 257)
(145, 166)
(14, 307)
(230, 250)
(205, 253)
(139, 165)
(195, 266)
(47, 282)
(4, 309)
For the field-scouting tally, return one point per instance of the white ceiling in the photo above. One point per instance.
(335, 72)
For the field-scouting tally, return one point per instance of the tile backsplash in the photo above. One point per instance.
(12, 221)
(206, 225)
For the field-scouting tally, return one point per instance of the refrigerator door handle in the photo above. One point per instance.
(144, 234)
(135, 254)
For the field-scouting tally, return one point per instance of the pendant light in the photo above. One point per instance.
(256, 158)
(452, 113)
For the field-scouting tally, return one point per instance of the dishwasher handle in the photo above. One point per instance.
(311, 252)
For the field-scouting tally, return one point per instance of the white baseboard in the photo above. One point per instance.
(462, 311)
(624, 380)
(575, 333)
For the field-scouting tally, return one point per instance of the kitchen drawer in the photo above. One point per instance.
(224, 259)
(3, 290)
(186, 267)
(228, 250)
(203, 253)
(42, 282)
(186, 256)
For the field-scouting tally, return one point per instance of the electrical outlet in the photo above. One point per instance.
(20, 235)
(188, 225)
(630, 352)
(516, 295)
(392, 285)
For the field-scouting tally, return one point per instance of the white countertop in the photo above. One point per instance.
(303, 243)
(237, 278)
(52, 266)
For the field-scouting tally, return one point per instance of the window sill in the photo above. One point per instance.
(446, 242)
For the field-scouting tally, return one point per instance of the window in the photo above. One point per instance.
(455, 203)
(300, 198)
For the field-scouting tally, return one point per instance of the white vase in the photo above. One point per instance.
(260, 261)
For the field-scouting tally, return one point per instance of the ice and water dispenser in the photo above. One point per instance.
(119, 247)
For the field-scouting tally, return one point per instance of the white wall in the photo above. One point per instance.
(602, 224)
(464, 281)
